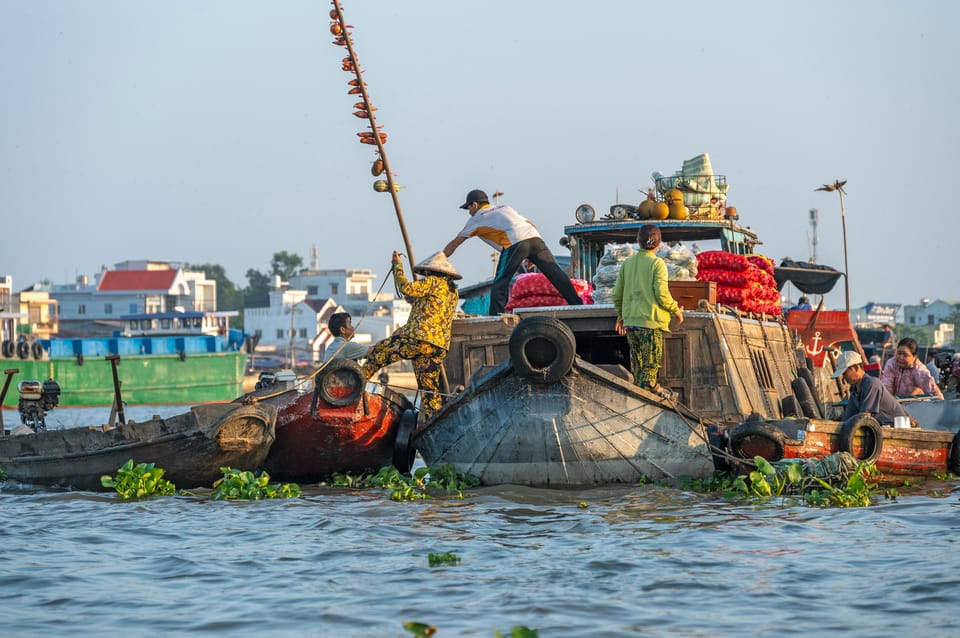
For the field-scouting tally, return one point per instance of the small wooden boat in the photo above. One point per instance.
(190, 447)
(548, 417)
(895, 451)
(336, 426)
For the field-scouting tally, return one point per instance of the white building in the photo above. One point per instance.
(298, 311)
(929, 313)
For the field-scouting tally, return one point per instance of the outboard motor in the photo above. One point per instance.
(36, 400)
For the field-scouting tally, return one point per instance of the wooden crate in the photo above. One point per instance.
(689, 293)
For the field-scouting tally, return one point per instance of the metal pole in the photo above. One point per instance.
(114, 359)
(3, 393)
(846, 263)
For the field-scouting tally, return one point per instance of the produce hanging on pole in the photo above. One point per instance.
(365, 110)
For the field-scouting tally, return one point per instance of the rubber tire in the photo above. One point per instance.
(789, 406)
(36, 350)
(954, 463)
(340, 367)
(8, 349)
(23, 350)
(80, 359)
(855, 423)
(807, 376)
(761, 430)
(805, 398)
(404, 452)
(542, 349)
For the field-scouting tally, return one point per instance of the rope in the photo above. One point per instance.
(301, 381)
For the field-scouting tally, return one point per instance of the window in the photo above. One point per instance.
(334, 289)
(258, 333)
(133, 308)
(81, 309)
(280, 334)
(165, 324)
(108, 308)
(313, 291)
(930, 320)
(303, 333)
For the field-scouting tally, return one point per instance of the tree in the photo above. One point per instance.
(257, 292)
(228, 297)
(285, 264)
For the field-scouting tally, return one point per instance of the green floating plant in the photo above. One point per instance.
(139, 481)
(792, 478)
(419, 629)
(519, 632)
(245, 485)
(411, 487)
(448, 558)
(3, 475)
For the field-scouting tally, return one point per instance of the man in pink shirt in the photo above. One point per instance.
(905, 375)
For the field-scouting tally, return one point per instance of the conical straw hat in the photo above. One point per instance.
(437, 263)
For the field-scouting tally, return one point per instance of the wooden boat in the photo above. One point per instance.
(720, 364)
(335, 425)
(190, 447)
(547, 417)
(895, 451)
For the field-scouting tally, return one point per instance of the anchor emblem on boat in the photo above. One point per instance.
(816, 350)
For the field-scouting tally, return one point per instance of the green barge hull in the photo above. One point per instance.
(145, 379)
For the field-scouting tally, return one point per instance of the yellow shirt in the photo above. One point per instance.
(433, 305)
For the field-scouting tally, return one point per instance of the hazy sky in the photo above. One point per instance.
(222, 131)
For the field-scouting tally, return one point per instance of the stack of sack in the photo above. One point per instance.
(681, 266)
(534, 290)
(743, 281)
(681, 261)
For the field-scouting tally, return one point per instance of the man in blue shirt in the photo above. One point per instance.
(867, 394)
(341, 328)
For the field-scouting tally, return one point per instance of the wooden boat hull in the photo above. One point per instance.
(903, 451)
(355, 439)
(190, 447)
(587, 428)
(360, 435)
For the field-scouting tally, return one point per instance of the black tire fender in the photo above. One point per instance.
(807, 375)
(80, 359)
(805, 398)
(8, 349)
(36, 350)
(542, 349)
(340, 383)
(23, 349)
(789, 406)
(872, 437)
(954, 462)
(404, 452)
(758, 438)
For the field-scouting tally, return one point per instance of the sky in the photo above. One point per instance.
(221, 131)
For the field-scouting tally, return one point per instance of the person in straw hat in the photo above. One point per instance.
(867, 393)
(425, 338)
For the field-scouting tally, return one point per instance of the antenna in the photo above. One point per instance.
(314, 259)
(814, 220)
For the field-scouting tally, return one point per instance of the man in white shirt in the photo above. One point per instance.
(506, 230)
(341, 328)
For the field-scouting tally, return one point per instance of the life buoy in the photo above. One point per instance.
(805, 398)
(871, 436)
(37, 350)
(807, 375)
(758, 438)
(8, 348)
(340, 383)
(542, 349)
(954, 464)
(789, 406)
(403, 451)
(23, 349)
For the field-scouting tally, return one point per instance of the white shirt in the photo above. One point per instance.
(499, 226)
(340, 348)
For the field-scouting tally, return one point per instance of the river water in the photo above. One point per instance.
(614, 561)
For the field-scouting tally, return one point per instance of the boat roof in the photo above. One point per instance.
(625, 231)
(179, 315)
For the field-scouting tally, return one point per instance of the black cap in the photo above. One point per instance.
(475, 196)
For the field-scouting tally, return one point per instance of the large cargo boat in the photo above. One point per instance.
(172, 357)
